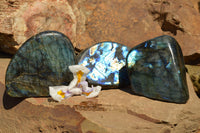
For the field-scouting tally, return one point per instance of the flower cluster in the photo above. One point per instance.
(78, 86)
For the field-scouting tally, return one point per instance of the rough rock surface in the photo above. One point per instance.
(26, 116)
(194, 72)
(128, 22)
(115, 110)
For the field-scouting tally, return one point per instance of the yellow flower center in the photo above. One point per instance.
(61, 93)
(79, 75)
(87, 93)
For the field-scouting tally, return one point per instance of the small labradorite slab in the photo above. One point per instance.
(42, 61)
(156, 70)
(105, 61)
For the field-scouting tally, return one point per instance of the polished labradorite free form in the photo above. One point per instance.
(105, 61)
(42, 61)
(156, 70)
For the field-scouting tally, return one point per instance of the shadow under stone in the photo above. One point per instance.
(8, 101)
(5, 55)
(123, 78)
(193, 59)
(124, 82)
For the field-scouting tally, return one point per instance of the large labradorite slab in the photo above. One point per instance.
(106, 63)
(42, 61)
(156, 70)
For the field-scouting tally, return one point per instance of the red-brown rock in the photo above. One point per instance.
(86, 23)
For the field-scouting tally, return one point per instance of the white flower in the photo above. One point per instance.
(77, 86)
(79, 73)
(95, 92)
(56, 92)
(76, 91)
(83, 85)
(91, 92)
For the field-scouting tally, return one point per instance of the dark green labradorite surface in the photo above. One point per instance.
(42, 61)
(156, 70)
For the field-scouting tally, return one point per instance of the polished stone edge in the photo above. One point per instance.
(123, 72)
(37, 37)
(184, 72)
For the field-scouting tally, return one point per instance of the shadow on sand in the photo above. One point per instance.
(8, 101)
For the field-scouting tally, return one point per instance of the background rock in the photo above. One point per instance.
(194, 72)
(128, 22)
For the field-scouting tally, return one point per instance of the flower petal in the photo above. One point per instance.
(95, 92)
(76, 91)
(53, 92)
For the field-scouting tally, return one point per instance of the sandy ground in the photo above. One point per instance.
(115, 111)
(3, 66)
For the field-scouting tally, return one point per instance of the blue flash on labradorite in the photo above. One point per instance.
(42, 61)
(105, 60)
(156, 70)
